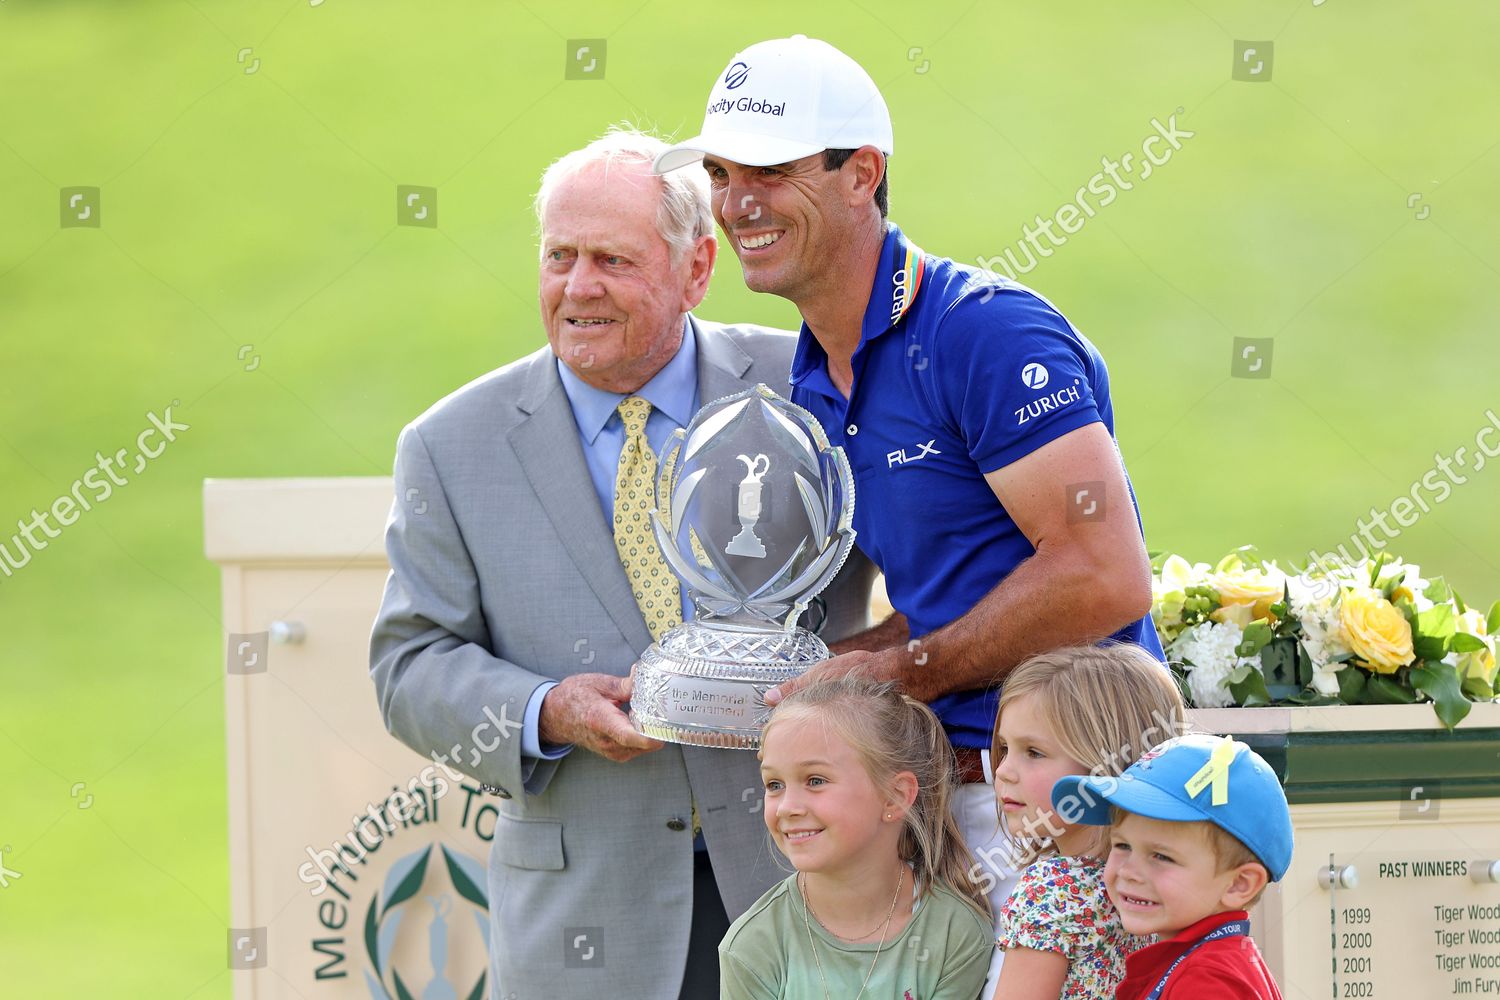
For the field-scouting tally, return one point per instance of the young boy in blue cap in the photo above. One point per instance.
(1200, 825)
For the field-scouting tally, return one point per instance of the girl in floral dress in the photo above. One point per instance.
(1081, 710)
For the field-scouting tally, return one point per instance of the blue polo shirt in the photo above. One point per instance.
(958, 372)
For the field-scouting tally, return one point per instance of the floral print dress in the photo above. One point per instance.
(1059, 905)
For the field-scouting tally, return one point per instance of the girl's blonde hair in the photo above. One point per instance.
(892, 733)
(1104, 705)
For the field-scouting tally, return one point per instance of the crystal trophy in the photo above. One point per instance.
(757, 519)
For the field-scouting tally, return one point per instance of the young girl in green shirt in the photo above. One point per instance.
(857, 783)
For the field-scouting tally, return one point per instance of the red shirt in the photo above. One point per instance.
(1227, 969)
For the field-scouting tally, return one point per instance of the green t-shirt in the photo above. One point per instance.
(943, 953)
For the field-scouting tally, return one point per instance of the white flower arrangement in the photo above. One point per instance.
(1246, 632)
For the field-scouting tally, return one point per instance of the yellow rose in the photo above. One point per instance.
(1254, 588)
(1375, 630)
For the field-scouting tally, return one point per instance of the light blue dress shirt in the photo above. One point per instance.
(673, 395)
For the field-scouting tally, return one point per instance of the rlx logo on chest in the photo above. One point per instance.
(899, 456)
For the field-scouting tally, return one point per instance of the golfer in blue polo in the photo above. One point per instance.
(976, 419)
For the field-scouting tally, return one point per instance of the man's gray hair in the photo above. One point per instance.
(683, 214)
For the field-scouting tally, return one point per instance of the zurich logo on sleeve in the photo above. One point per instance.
(1034, 376)
(1064, 397)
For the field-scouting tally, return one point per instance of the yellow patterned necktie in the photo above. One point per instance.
(652, 582)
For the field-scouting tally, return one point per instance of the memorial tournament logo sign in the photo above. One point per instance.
(415, 923)
(394, 905)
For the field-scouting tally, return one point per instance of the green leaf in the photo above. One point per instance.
(1381, 558)
(1463, 642)
(1477, 688)
(1351, 685)
(1250, 690)
(1304, 666)
(1257, 635)
(402, 993)
(1239, 673)
(409, 885)
(1426, 647)
(1381, 690)
(1437, 620)
(1432, 630)
(1387, 584)
(1439, 682)
(1313, 698)
(465, 885)
(478, 992)
(1438, 591)
(1492, 622)
(1459, 602)
(1280, 608)
(372, 934)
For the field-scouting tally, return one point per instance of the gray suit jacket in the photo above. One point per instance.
(504, 576)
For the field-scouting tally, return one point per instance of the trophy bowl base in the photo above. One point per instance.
(705, 685)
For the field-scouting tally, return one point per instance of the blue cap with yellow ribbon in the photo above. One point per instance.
(1190, 779)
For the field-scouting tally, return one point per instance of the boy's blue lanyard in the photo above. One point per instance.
(1235, 928)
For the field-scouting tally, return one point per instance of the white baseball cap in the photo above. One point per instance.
(785, 99)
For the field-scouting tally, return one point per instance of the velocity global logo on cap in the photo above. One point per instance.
(736, 75)
(724, 105)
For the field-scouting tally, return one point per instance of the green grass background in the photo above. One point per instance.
(259, 209)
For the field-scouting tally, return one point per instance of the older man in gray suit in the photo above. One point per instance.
(509, 607)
